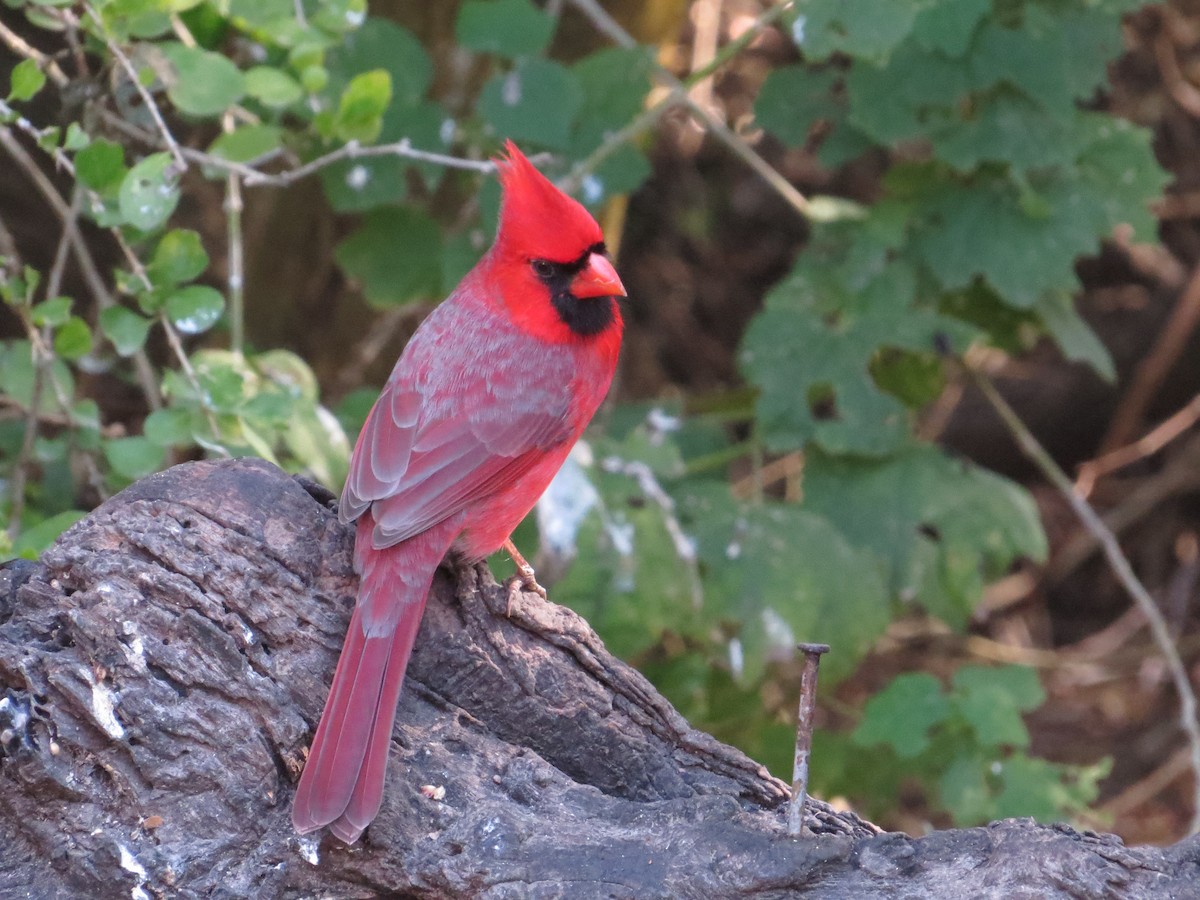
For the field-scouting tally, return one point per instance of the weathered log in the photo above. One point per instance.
(164, 663)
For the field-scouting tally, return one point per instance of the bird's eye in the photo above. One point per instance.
(543, 268)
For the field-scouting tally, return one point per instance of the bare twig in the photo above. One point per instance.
(83, 255)
(609, 26)
(21, 47)
(127, 65)
(1142, 448)
(1153, 370)
(235, 262)
(1121, 568)
(354, 150)
(43, 358)
(1181, 90)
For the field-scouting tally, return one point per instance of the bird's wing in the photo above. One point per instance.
(451, 427)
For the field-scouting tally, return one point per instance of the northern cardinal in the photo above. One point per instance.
(480, 411)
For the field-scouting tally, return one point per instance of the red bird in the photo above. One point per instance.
(480, 411)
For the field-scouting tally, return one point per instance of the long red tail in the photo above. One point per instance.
(342, 783)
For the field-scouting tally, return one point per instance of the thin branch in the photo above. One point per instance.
(1153, 370)
(354, 150)
(255, 177)
(235, 257)
(1121, 568)
(21, 47)
(609, 26)
(20, 469)
(155, 113)
(83, 255)
(43, 359)
(1142, 448)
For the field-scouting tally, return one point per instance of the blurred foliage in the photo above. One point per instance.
(702, 541)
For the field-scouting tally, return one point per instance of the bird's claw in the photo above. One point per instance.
(524, 580)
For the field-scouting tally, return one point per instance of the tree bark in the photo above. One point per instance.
(163, 666)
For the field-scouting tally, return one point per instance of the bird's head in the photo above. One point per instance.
(556, 276)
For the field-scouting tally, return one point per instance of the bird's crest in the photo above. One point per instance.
(538, 220)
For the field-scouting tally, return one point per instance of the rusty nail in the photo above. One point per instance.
(804, 732)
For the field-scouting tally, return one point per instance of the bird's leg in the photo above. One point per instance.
(525, 577)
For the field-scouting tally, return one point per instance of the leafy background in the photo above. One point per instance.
(219, 221)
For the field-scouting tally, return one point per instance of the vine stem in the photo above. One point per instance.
(132, 74)
(612, 29)
(1119, 563)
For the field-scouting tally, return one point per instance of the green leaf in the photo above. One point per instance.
(245, 144)
(792, 99)
(195, 308)
(1020, 685)
(536, 101)
(100, 165)
(27, 80)
(382, 44)
(964, 790)
(134, 457)
(73, 339)
(903, 713)
(169, 427)
(150, 192)
(1073, 335)
(51, 312)
(32, 542)
(361, 107)
(272, 87)
(983, 698)
(1056, 58)
(981, 229)
(18, 374)
(949, 26)
(810, 352)
(943, 527)
(858, 28)
(315, 438)
(786, 575)
(395, 255)
(509, 28)
(125, 329)
(1030, 787)
(205, 83)
(76, 138)
(179, 257)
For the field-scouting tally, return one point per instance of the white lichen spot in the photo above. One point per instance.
(798, 29)
(447, 130)
(358, 177)
(561, 510)
(104, 703)
(779, 632)
(593, 189)
(510, 91)
(737, 657)
(661, 423)
(733, 550)
(308, 849)
(130, 863)
(355, 17)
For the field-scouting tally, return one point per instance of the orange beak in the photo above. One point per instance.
(597, 279)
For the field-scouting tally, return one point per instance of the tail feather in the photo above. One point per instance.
(342, 782)
(368, 790)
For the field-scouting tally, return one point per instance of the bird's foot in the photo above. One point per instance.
(525, 579)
